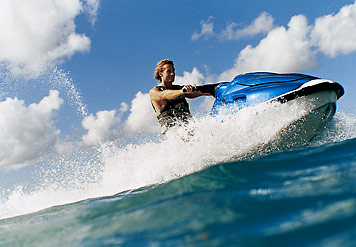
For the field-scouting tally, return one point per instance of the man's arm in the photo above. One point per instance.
(156, 94)
(159, 97)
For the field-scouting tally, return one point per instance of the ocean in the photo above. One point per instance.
(221, 188)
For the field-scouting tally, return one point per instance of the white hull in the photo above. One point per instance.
(321, 107)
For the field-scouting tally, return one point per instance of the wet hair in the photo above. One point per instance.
(159, 67)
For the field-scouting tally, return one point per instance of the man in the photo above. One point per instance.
(169, 101)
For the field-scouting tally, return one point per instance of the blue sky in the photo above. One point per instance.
(129, 37)
(104, 53)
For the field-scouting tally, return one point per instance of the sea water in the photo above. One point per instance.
(218, 187)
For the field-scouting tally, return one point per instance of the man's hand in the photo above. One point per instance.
(189, 89)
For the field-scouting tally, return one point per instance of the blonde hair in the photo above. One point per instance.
(159, 67)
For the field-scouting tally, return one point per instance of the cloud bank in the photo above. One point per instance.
(36, 33)
(282, 50)
(27, 131)
(110, 125)
(207, 29)
(336, 34)
(101, 128)
(142, 119)
(261, 25)
(294, 48)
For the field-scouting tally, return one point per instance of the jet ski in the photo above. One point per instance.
(252, 89)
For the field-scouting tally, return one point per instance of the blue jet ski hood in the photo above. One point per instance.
(253, 88)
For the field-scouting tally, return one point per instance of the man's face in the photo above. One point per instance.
(168, 74)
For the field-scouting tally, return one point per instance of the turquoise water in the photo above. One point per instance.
(303, 197)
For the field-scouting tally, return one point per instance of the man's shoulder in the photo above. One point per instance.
(155, 92)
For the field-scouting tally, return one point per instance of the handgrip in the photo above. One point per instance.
(207, 88)
(185, 90)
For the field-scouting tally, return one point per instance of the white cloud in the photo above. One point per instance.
(75, 43)
(294, 48)
(142, 119)
(335, 34)
(282, 50)
(36, 33)
(109, 125)
(91, 7)
(102, 127)
(207, 29)
(262, 24)
(27, 131)
(194, 77)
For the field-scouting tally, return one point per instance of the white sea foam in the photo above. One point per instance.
(342, 127)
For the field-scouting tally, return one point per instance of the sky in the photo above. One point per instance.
(99, 55)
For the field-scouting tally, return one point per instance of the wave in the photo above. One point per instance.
(303, 197)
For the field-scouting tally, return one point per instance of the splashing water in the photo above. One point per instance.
(60, 78)
(111, 168)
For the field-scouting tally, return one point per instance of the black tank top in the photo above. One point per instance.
(174, 113)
